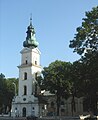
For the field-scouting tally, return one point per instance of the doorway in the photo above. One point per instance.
(24, 112)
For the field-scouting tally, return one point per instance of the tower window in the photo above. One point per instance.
(25, 76)
(26, 62)
(25, 90)
(35, 62)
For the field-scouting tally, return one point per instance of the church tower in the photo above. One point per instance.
(25, 103)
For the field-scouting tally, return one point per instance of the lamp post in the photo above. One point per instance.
(15, 88)
(15, 95)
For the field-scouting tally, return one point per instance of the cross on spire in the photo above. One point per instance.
(31, 19)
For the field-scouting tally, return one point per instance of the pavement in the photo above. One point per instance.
(12, 118)
(43, 118)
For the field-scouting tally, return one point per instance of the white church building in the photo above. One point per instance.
(25, 103)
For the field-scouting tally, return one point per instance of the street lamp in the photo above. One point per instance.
(15, 88)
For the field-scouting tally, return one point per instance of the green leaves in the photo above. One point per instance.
(57, 76)
(87, 33)
(85, 43)
(6, 92)
(56, 79)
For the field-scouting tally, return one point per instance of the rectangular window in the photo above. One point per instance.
(26, 62)
(25, 76)
(25, 90)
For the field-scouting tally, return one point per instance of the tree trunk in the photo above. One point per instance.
(94, 104)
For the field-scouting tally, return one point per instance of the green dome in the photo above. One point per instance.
(30, 39)
(30, 43)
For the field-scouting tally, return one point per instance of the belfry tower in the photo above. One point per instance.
(25, 103)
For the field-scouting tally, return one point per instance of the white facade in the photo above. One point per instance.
(26, 104)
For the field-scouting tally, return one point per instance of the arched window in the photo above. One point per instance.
(35, 62)
(25, 76)
(25, 90)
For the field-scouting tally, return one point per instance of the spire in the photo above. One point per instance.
(30, 41)
(31, 19)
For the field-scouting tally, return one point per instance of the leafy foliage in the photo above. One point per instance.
(6, 93)
(85, 43)
(86, 37)
(56, 79)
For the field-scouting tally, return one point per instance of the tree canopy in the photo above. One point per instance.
(85, 43)
(57, 76)
(56, 79)
(7, 91)
(86, 37)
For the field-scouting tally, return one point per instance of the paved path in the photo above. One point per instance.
(12, 118)
(44, 118)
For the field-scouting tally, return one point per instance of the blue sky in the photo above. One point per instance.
(55, 23)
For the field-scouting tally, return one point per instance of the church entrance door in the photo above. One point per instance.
(24, 112)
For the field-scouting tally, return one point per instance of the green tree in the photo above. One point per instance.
(57, 79)
(91, 64)
(7, 91)
(2, 91)
(11, 91)
(78, 77)
(86, 37)
(85, 43)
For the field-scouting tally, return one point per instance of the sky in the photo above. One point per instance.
(55, 23)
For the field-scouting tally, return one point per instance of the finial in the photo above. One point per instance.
(31, 19)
